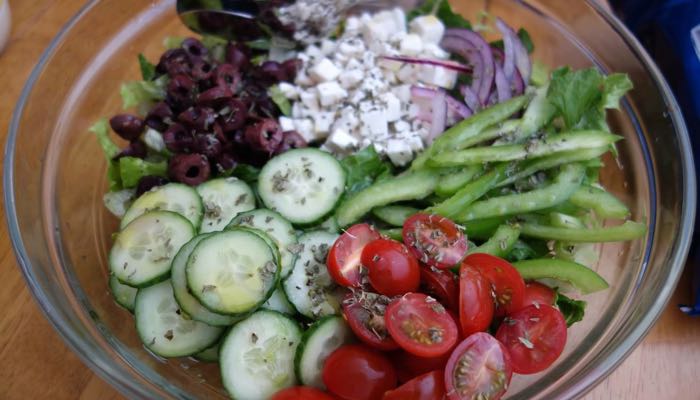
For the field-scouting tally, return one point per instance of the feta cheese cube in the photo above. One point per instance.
(352, 25)
(398, 36)
(438, 76)
(357, 96)
(342, 141)
(314, 52)
(399, 18)
(402, 127)
(288, 90)
(286, 123)
(398, 151)
(305, 127)
(377, 30)
(297, 110)
(349, 78)
(351, 47)
(303, 78)
(402, 92)
(390, 65)
(324, 71)
(375, 122)
(322, 122)
(415, 142)
(354, 63)
(411, 45)
(330, 93)
(309, 100)
(389, 77)
(433, 50)
(393, 106)
(347, 121)
(328, 47)
(428, 27)
(408, 73)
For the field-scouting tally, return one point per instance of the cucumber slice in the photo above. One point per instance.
(232, 272)
(124, 295)
(257, 355)
(279, 302)
(165, 329)
(143, 251)
(223, 199)
(187, 302)
(174, 197)
(309, 287)
(210, 354)
(279, 230)
(317, 343)
(303, 184)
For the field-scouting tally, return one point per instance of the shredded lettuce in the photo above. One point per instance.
(573, 310)
(132, 169)
(117, 202)
(216, 46)
(173, 42)
(245, 172)
(142, 94)
(110, 149)
(443, 11)
(364, 168)
(280, 100)
(148, 70)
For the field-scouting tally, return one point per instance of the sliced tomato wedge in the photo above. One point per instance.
(355, 372)
(537, 293)
(344, 256)
(391, 269)
(479, 368)
(441, 284)
(409, 366)
(534, 336)
(476, 306)
(364, 312)
(421, 325)
(430, 386)
(508, 286)
(301, 393)
(434, 240)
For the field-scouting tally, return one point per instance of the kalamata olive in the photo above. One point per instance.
(273, 71)
(148, 182)
(238, 56)
(178, 139)
(232, 114)
(264, 136)
(214, 96)
(190, 169)
(290, 140)
(207, 144)
(218, 132)
(127, 126)
(225, 162)
(180, 91)
(160, 116)
(199, 118)
(194, 48)
(134, 149)
(202, 71)
(292, 67)
(265, 106)
(174, 62)
(227, 75)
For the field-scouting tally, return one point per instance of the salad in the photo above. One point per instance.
(395, 209)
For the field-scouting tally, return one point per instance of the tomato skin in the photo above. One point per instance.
(479, 367)
(476, 306)
(421, 325)
(543, 327)
(359, 317)
(434, 240)
(537, 293)
(354, 372)
(430, 386)
(409, 366)
(344, 256)
(441, 284)
(392, 270)
(301, 393)
(505, 280)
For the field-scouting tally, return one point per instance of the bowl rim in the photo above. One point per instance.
(584, 385)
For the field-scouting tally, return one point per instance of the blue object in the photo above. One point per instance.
(670, 31)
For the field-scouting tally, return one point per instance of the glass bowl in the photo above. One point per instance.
(54, 181)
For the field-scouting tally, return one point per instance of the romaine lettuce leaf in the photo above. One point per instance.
(148, 70)
(173, 42)
(573, 310)
(141, 94)
(443, 11)
(363, 168)
(132, 169)
(280, 100)
(110, 149)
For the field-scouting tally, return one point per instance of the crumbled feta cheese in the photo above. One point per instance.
(393, 106)
(341, 140)
(314, 52)
(435, 51)
(310, 100)
(375, 122)
(438, 76)
(398, 151)
(305, 127)
(323, 121)
(428, 27)
(288, 90)
(330, 93)
(376, 31)
(324, 71)
(286, 123)
(350, 78)
(408, 73)
(351, 47)
(352, 25)
(415, 142)
(154, 140)
(327, 46)
(402, 127)
(411, 44)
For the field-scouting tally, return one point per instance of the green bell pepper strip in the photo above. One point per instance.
(394, 215)
(393, 233)
(501, 243)
(482, 229)
(579, 276)
(601, 202)
(564, 185)
(628, 231)
(449, 184)
(504, 129)
(575, 140)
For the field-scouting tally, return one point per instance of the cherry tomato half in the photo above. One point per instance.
(392, 270)
(534, 336)
(364, 312)
(479, 368)
(430, 386)
(434, 240)
(301, 393)
(344, 256)
(537, 293)
(506, 281)
(476, 305)
(354, 372)
(409, 366)
(421, 325)
(442, 285)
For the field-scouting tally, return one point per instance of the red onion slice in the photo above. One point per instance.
(515, 53)
(439, 118)
(517, 84)
(470, 98)
(502, 84)
(453, 65)
(485, 79)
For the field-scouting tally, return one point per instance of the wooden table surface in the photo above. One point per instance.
(37, 364)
